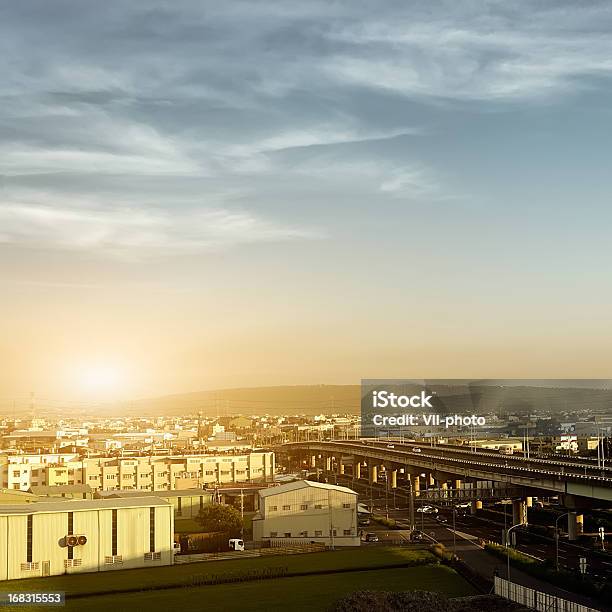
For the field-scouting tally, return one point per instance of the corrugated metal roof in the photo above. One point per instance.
(302, 484)
(147, 494)
(77, 505)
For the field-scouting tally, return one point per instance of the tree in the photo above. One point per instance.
(218, 517)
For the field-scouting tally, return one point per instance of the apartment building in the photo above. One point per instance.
(20, 472)
(136, 473)
(309, 512)
(169, 473)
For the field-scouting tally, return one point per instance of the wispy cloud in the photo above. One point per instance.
(138, 232)
(217, 99)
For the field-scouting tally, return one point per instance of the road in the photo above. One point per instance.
(470, 529)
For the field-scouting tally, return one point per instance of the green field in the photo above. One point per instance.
(271, 592)
(297, 594)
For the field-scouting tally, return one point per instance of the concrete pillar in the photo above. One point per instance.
(313, 461)
(328, 463)
(393, 479)
(579, 524)
(356, 468)
(373, 473)
(574, 525)
(444, 487)
(529, 502)
(340, 468)
(431, 481)
(457, 488)
(416, 486)
(519, 511)
(476, 505)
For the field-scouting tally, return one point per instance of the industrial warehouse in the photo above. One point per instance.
(51, 538)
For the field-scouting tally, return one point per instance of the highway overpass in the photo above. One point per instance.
(580, 484)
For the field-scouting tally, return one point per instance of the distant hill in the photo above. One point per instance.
(302, 399)
(479, 397)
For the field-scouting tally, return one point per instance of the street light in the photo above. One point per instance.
(557, 537)
(508, 546)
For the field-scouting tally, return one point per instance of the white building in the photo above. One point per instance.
(135, 473)
(307, 511)
(109, 534)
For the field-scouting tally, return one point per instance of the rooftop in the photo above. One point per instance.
(302, 484)
(77, 505)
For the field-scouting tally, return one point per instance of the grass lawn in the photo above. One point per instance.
(298, 594)
(370, 557)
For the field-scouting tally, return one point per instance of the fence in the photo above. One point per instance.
(536, 600)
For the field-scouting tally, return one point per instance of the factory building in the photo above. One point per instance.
(73, 536)
(305, 511)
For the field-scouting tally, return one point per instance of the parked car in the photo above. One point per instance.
(427, 510)
(390, 445)
(364, 522)
(371, 537)
(416, 449)
(176, 548)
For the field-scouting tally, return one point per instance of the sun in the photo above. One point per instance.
(101, 380)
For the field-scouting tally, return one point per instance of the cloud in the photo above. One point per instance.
(184, 105)
(141, 232)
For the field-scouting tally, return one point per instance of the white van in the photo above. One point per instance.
(236, 544)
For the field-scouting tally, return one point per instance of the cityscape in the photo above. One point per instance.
(525, 497)
(305, 306)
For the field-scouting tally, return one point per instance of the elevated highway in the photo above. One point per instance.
(581, 483)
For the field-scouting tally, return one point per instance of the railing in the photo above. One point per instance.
(536, 600)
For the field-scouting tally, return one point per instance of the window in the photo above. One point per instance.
(287, 534)
(152, 529)
(274, 534)
(318, 534)
(304, 507)
(346, 505)
(110, 477)
(273, 508)
(304, 534)
(114, 533)
(318, 506)
(334, 533)
(29, 539)
(179, 508)
(286, 507)
(210, 472)
(348, 532)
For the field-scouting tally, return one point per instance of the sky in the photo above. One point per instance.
(199, 195)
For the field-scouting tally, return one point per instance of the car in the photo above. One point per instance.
(441, 519)
(427, 510)
(371, 537)
(176, 548)
(464, 505)
(390, 445)
(416, 449)
(364, 522)
(416, 536)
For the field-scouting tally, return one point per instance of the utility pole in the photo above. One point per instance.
(242, 514)
(411, 505)
(557, 538)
